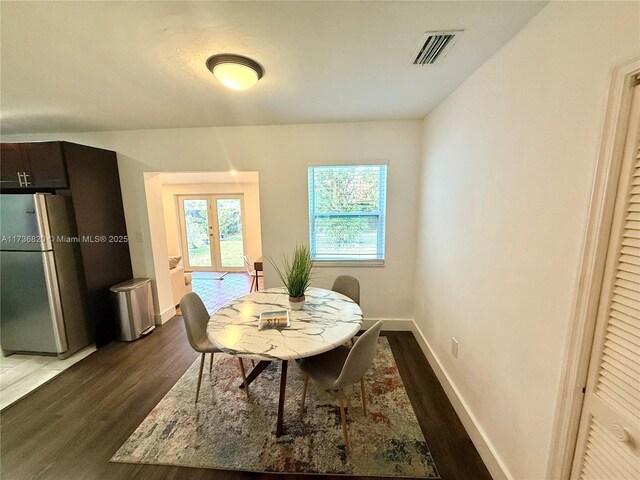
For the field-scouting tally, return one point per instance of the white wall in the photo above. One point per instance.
(507, 170)
(251, 200)
(163, 299)
(280, 155)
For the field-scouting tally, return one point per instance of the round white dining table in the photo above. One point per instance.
(328, 319)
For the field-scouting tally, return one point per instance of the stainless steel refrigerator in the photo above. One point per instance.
(42, 299)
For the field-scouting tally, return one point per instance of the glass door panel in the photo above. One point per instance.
(197, 227)
(231, 241)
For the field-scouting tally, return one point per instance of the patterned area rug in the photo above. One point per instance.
(228, 432)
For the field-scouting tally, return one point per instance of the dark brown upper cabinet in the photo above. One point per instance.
(33, 165)
(11, 166)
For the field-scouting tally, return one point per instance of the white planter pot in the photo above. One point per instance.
(296, 303)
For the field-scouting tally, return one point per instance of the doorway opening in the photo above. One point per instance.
(208, 225)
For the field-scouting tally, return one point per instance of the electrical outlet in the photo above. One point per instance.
(454, 347)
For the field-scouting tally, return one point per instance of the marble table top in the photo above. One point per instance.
(327, 320)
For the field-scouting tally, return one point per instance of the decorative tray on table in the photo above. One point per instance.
(274, 319)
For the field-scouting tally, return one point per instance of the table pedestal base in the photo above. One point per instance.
(283, 386)
(257, 370)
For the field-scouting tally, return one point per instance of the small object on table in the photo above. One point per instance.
(274, 319)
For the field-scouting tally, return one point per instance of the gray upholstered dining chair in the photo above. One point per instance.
(341, 367)
(348, 286)
(196, 318)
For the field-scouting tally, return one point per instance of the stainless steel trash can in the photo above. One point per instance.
(133, 305)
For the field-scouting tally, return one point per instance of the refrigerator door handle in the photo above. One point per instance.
(20, 179)
(44, 231)
(26, 176)
(55, 306)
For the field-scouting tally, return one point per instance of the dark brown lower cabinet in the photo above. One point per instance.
(94, 182)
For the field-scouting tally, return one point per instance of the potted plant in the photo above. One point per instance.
(295, 275)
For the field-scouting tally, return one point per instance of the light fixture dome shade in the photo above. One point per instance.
(235, 71)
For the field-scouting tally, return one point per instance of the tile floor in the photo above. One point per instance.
(215, 293)
(21, 374)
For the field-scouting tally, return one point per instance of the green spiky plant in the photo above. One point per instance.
(295, 273)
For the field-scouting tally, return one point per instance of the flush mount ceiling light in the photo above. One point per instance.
(235, 71)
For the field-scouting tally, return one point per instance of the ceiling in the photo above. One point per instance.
(86, 66)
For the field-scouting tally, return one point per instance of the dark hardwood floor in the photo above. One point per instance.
(69, 428)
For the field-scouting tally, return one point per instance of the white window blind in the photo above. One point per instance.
(347, 212)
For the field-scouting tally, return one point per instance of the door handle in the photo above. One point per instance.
(27, 183)
(620, 433)
(20, 179)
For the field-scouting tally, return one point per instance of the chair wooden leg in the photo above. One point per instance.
(211, 363)
(244, 377)
(200, 376)
(253, 280)
(344, 420)
(304, 395)
(257, 286)
(364, 400)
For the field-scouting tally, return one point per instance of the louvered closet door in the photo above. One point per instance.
(609, 437)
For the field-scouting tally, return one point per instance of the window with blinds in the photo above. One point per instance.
(347, 212)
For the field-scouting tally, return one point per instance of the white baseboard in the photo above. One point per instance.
(391, 324)
(165, 316)
(487, 451)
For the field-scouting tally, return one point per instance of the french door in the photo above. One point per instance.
(212, 231)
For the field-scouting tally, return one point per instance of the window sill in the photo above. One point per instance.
(348, 263)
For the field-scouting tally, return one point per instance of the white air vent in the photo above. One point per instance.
(433, 46)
